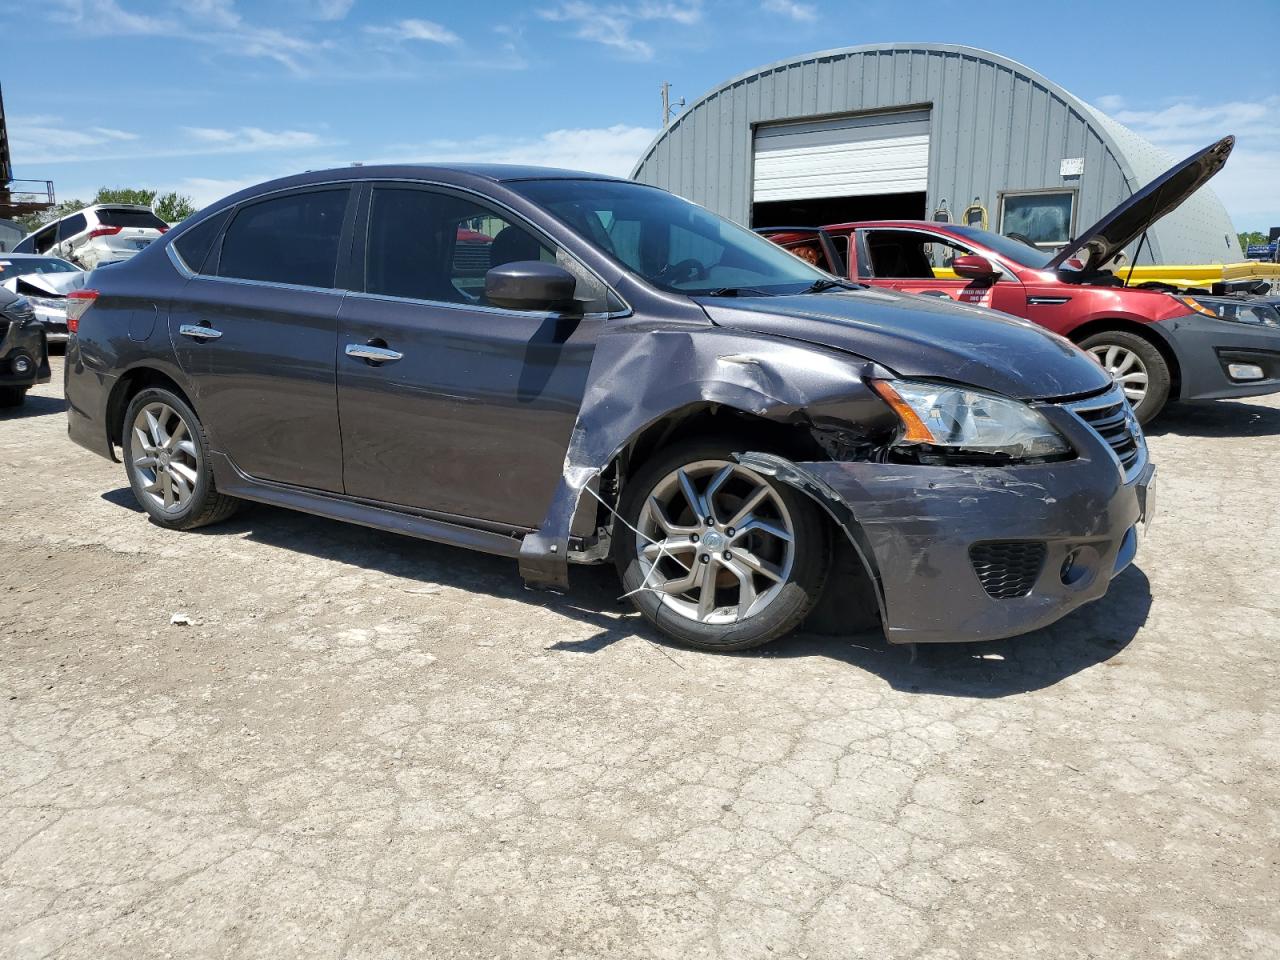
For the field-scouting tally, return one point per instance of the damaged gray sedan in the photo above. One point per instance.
(564, 368)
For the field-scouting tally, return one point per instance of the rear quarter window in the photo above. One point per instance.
(193, 244)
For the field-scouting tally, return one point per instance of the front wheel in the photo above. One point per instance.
(717, 556)
(1137, 366)
(166, 457)
(12, 396)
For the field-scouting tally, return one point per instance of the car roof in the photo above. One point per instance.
(32, 256)
(459, 174)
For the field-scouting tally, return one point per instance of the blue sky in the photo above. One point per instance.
(205, 96)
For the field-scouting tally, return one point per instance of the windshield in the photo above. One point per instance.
(1015, 250)
(24, 265)
(673, 244)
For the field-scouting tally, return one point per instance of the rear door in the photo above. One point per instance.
(256, 331)
(917, 261)
(471, 414)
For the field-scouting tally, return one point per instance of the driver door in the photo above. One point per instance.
(471, 414)
(917, 261)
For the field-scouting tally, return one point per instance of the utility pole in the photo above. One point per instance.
(667, 109)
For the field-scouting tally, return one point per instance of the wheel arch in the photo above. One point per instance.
(1146, 331)
(132, 382)
(777, 448)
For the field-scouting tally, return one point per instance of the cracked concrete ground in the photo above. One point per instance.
(365, 746)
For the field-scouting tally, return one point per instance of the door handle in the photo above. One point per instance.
(373, 353)
(199, 331)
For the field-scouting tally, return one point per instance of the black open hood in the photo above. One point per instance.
(1161, 196)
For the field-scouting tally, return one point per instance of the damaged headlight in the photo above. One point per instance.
(1234, 309)
(946, 424)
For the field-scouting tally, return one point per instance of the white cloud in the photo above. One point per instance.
(253, 139)
(107, 17)
(42, 135)
(214, 22)
(792, 9)
(1247, 185)
(332, 9)
(416, 30)
(47, 140)
(611, 150)
(612, 25)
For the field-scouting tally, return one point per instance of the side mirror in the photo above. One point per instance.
(529, 285)
(974, 268)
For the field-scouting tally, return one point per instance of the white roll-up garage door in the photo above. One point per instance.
(846, 157)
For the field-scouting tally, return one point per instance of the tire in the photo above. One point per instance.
(12, 396)
(1124, 348)
(775, 603)
(158, 473)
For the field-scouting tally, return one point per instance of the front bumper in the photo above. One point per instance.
(916, 525)
(1206, 348)
(24, 345)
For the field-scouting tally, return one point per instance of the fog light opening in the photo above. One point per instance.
(1073, 569)
(22, 365)
(1244, 371)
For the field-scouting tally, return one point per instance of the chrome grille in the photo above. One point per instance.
(471, 258)
(1111, 417)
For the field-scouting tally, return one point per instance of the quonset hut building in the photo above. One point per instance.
(907, 131)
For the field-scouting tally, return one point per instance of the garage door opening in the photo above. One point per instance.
(867, 167)
(825, 210)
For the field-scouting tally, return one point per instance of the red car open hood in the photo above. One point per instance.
(1161, 196)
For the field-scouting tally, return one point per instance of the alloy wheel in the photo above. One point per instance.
(717, 542)
(165, 457)
(1126, 368)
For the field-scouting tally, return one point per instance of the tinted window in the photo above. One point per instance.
(290, 239)
(71, 226)
(194, 243)
(671, 243)
(426, 245)
(130, 218)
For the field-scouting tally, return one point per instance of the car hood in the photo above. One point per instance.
(1119, 228)
(923, 337)
(46, 284)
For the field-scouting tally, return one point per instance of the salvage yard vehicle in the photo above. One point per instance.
(45, 282)
(636, 379)
(24, 354)
(1160, 344)
(97, 235)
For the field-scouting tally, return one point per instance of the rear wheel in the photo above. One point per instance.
(725, 558)
(166, 457)
(1137, 366)
(12, 396)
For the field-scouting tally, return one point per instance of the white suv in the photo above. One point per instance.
(103, 233)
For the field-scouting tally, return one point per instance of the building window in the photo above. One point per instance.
(1044, 217)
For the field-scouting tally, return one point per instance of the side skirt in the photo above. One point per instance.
(233, 482)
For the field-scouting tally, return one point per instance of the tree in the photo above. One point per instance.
(173, 207)
(125, 195)
(1251, 236)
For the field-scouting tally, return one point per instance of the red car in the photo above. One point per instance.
(1159, 344)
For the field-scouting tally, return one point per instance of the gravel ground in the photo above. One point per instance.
(365, 746)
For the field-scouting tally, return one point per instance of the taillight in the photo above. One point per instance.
(78, 301)
(104, 232)
(163, 229)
